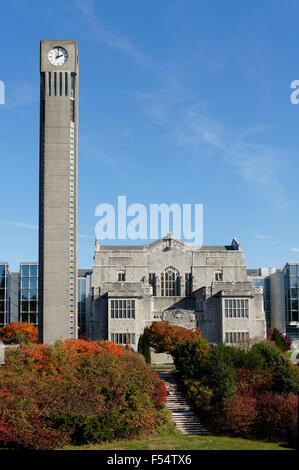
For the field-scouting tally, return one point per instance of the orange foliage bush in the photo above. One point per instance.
(112, 347)
(77, 392)
(163, 336)
(52, 360)
(12, 332)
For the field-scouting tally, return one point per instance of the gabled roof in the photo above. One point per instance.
(233, 246)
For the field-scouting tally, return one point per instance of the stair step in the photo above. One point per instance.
(182, 415)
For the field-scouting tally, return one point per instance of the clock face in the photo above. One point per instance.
(58, 56)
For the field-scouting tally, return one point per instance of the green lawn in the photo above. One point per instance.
(179, 441)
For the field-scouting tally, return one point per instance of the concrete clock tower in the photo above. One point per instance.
(58, 212)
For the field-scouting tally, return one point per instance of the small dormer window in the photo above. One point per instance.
(121, 276)
(218, 276)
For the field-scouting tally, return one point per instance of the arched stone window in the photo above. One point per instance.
(170, 282)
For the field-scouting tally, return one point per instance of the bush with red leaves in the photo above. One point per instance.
(267, 415)
(77, 392)
(16, 332)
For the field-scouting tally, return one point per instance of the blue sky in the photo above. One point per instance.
(184, 101)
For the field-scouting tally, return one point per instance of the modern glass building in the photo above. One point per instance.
(19, 295)
(84, 287)
(291, 271)
(4, 294)
(28, 293)
(281, 296)
(261, 278)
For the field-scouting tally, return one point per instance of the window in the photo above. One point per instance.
(29, 293)
(188, 284)
(60, 83)
(236, 336)
(170, 282)
(152, 282)
(123, 338)
(121, 276)
(55, 83)
(66, 82)
(236, 308)
(218, 276)
(122, 308)
(73, 85)
(82, 304)
(49, 81)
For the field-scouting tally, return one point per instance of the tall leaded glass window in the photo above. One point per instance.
(236, 308)
(170, 282)
(236, 336)
(122, 308)
(123, 338)
(188, 284)
(152, 282)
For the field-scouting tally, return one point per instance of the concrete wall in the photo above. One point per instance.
(204, 309)
(55, 317)
(278, 296)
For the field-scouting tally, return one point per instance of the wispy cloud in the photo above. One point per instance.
(94, 26)
(188, 122)
(261, 236)
(295, 249)
(191, 126)
(93, 148)
(87, 237)
(19, 224)
(34, 227)
(21, 94)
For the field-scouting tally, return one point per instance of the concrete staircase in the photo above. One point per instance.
(184, 418)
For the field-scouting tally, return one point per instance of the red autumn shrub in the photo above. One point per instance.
(239, 414)
(277, 415)
(16, 331)
(266, 415)
(78, 393)
(253, 382)
(22, 423)
(112, 347)
(80, 347)
(163, 336)
(53, 360)
(160, 391)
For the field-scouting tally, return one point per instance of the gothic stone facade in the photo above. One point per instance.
(205, 287)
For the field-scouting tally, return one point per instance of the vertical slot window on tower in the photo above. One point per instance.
(73, 85)
(66, 83)
(72, 110)
(50, 84)
(60, 83)
(55, 83)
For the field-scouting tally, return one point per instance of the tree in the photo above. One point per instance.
(277, 339)
(190, 357)
(163, 336)
(144, 349)
(285, 338)
(220, 378)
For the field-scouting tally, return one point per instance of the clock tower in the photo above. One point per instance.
(58, 213)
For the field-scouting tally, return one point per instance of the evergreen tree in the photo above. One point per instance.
(277, 339)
